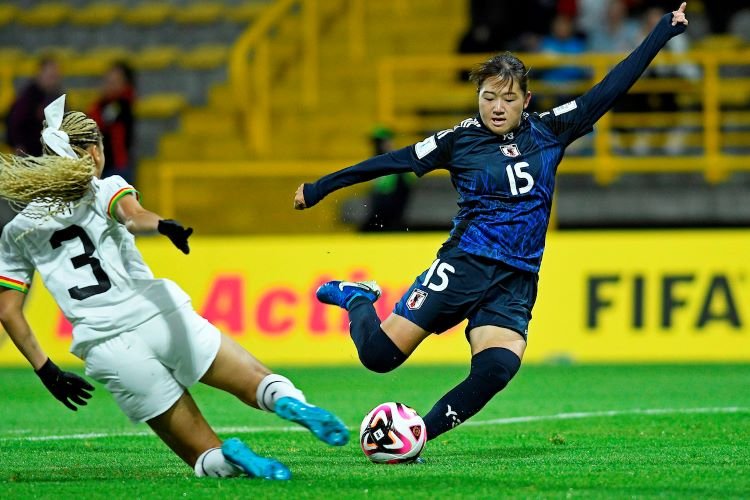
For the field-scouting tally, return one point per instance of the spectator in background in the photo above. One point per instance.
(665, 102)
(563, 40)
(113, 113)
(26, 114)
(494, 26)
(618, 33)
(390, 194)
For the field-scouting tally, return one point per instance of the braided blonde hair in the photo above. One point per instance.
(52, 180)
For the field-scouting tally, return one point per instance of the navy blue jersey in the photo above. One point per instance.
(505, 183)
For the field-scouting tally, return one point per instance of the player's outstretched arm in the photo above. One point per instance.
(600, 99)
(138, 220)
(395, 162)
(67, 387)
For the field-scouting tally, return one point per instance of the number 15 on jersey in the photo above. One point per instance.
(520, 181)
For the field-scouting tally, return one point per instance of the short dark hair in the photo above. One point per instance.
(127, 71)
(506, 67)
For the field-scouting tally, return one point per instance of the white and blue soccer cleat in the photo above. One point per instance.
(341, 293)
(323, 424)
(243, 457)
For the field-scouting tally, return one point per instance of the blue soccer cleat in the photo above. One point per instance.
(341, 293)
(243, 457)
(323, 424)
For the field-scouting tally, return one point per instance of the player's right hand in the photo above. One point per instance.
(67, 387)
(299, 198)
(678, 16)
(176, 233)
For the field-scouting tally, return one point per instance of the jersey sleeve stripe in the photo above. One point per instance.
(14, 284)
(118, 196)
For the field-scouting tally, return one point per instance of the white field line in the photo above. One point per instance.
(474, 423)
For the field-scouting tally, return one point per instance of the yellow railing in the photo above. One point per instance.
(604, 165)
(297, 171)
(250, 69)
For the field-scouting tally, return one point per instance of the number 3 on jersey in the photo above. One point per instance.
(85, 259)
(517, 172)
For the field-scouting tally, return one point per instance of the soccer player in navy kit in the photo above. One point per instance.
(502, 164)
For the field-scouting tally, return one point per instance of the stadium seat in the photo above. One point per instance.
(96, 61)
(148, 14)
(199, 13)
(10, 55)
(245, 12)
(221, 98)
(154, 58)
(208, 122)
(65, 56)
(222, 148)
(718, 42)
(81, 98)
(204, 57)
(45, 14)
(160, 106)
(96, 14)
(176, 147)
(8, 13)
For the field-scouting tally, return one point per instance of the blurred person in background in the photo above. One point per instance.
(665, 102)
(617, 33)
(503, 164)
(390, 194)
(139, 336)
(563, 39)
(26, 114)
(494, 26)
(113, 111)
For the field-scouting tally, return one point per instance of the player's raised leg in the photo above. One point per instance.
(381, 347)
(184, 429)
(236, 371)
(496, 358)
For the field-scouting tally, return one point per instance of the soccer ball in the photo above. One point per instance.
(392, 433)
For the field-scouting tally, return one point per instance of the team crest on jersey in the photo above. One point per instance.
(416, 299)
(510, 150)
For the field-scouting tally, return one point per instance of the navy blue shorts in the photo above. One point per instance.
(460, 286)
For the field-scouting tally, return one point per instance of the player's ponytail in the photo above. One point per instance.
(63, 174)
(53, 181)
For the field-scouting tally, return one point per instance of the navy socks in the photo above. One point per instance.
(376, 351)
(491, 370)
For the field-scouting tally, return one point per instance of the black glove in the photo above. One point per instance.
(175, 232)
(65, 386)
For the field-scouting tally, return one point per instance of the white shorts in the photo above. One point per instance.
(149, 368)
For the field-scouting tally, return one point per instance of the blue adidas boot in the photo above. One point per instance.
(341, 293)
(243, 457)
(323, 424)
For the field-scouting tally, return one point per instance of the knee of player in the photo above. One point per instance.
(496, 365)
(379, 363)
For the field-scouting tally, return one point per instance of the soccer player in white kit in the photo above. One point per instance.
(138, 336)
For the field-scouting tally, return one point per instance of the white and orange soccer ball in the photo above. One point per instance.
(392, 433)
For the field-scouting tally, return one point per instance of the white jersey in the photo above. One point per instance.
(89, 263)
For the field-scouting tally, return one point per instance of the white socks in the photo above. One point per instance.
(212, 463)
(273, 387)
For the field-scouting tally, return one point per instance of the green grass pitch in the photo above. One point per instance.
(558, 431)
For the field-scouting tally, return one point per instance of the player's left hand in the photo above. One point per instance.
(299, 198)
(176, 233)
(67, 387)
(678, 16)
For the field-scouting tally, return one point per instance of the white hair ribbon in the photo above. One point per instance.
(57, 140)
